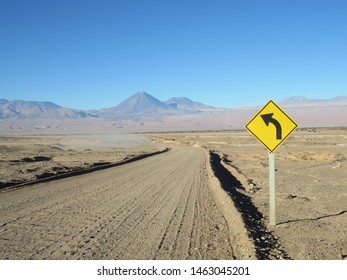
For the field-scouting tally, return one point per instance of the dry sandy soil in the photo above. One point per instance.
(160, 207)
(134, 211)
(172, 205)
(28, 158)
(311, 186)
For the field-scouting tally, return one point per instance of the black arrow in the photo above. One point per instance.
(267, 118)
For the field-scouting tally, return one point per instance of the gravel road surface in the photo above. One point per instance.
(156, 208)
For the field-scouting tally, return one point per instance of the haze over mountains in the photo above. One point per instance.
(142, 105)
(19, 109)
(299, 101)
(140, 102)
(142, 111)
(138, 105)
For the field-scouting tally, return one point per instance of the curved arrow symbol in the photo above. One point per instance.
(267, 118)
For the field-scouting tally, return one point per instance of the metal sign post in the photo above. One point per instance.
(272, 189)
(271, 126)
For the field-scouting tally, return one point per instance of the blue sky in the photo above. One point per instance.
(94, 54)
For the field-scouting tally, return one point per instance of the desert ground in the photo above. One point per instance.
(198, 195)
(29, 158)
(311, 188)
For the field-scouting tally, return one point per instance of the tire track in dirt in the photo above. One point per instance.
(157, 208)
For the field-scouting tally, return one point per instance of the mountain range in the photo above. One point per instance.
(19, 109)
(299, 101)
(139, 105)
(143, 111)
(142, 105)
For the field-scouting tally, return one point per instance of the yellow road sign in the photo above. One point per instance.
(271, 126)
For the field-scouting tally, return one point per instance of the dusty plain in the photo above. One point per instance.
(26, 159)
(311, 186)
(166, 206)
(159, 207)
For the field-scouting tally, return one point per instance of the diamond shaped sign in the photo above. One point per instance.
(271, 126)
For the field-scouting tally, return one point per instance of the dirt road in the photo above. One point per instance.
(156, 208)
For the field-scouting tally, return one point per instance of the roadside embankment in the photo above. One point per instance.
(242, 215)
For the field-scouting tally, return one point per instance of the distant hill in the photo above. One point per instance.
(185, 103)
(140, 102)
(300, 101)
(317, 112)
(143, 105)
(19, 109)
